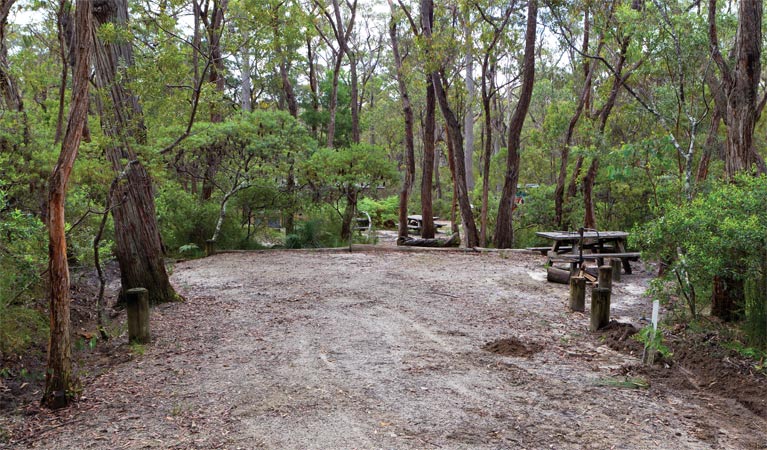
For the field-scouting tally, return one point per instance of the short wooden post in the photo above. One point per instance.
(606, 277)
(138, 315)
(616, 264)
(600, 308)
(210, 247)
(578, 294)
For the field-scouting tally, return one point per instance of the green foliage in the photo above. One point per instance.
(311, 234)
(347, 169)
(722, 232)
(756, 311)
(19, 327)
(653, 341)
(381, 211)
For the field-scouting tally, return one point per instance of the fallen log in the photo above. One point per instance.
(557, 275)
(452, 241)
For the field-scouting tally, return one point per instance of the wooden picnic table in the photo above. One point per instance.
(601, 244)
(415, 223)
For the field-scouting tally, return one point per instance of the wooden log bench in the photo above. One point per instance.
(600, 258)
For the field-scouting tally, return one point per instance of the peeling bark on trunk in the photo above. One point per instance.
(137, 235)
(59, 379)
(504, 231)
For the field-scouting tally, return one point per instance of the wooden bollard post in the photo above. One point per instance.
(138, 315)
(210, 247)
(606, 277)
(600, 308)
(578, 294)
(616, 264)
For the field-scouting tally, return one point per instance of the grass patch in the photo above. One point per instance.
(624, 382)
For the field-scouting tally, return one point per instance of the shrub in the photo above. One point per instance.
(723, 233)
(381, 211)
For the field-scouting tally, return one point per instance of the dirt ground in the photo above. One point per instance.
(386, 349)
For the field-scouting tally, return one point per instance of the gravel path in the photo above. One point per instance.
(297, 349)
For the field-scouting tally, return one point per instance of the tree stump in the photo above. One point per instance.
(616, 263)
(210, 247)
(606, 277)
(138, 315)
(578, 294)
(600, 308)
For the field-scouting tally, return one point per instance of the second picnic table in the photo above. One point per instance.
(602, 244)
(415, 223)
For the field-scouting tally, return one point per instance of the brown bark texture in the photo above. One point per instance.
(504, 231)
(407, 112)
(137, 235)
(740, 84)
(59, 379)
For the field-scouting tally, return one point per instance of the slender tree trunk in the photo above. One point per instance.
(589, 68)
(711, 146)
(246, 91)
(504, 231)
(137, 235)
(333, 103)
(429, 127)
(456, 137)
(214, 24)
(468, 120)
(354, 96)
(407, 112)
(61, 18)
(59, 379)
(313, 84)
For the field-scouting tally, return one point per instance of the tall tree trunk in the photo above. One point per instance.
(354, 104)
(583, 99)
(214, 25)
(246, 90)
(740, 86)
(429, 128)
(59, 379)
(589, 219)
(504, 231)
(313, 84)
(407, 112)
(333, 103)
(468, 120)
(62, 18)
(427, 178)
(456, 137)
(137, 235)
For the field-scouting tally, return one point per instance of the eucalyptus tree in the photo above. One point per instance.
(341, 28)
(504, 231)
(407, 112)
(489, 90)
